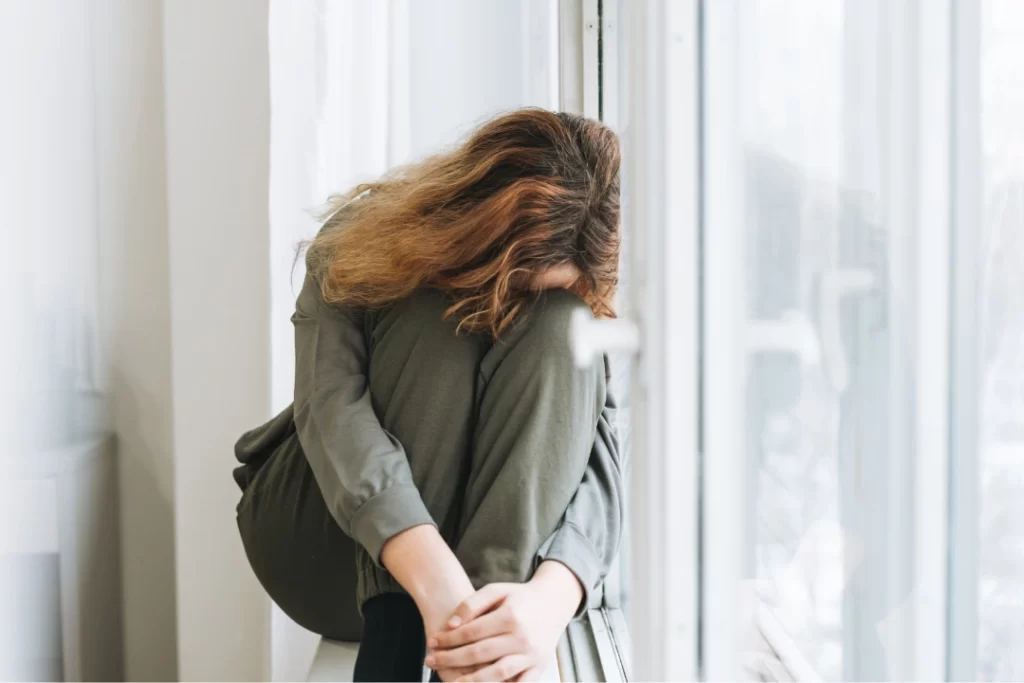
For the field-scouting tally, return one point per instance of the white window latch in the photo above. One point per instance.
(591, 338)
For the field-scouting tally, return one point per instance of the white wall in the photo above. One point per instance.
(217, 118)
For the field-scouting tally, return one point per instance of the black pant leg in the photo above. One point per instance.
(393, 645)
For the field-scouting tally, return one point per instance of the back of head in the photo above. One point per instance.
(526, 192)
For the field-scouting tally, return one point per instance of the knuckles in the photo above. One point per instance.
(521, 640)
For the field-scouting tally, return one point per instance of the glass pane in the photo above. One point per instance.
(1001, 562)
(827, 394)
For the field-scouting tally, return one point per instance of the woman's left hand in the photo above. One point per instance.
(507, 631)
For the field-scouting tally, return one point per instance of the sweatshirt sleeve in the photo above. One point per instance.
(361, 469)
(587, 539)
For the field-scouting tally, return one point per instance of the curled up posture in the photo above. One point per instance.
(445, 468)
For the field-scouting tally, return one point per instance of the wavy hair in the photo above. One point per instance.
(527, 191)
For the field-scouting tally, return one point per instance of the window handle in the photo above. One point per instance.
(792, 333)
(835, 284)
(591, 338)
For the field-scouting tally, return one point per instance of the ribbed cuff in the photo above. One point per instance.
(572, 548)
(387, 514)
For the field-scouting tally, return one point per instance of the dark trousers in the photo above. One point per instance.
(393, 643)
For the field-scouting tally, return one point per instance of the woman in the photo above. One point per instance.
(440, 414)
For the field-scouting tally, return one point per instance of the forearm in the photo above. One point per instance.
(426, 567)
(563, 590)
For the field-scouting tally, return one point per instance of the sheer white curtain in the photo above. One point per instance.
(339, 115)
(52, 358)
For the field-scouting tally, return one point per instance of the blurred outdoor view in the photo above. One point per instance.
(1001, 570)
(828, 253)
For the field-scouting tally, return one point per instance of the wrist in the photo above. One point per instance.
(423, 564)
(438, 597)
(428, 570)
(559, 586)
(440, 588)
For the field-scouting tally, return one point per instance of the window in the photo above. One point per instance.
(1000, 586)
(844, 178)
(814, 251)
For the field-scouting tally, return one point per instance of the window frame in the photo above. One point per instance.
(664, 269)
(725, 506)
(964, 420)
(661, 142)
(932, 419)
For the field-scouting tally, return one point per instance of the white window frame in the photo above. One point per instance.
(927, 637)
(662, 174)
(724, 355)
(661, 309)
(571, 64)
(964, 420)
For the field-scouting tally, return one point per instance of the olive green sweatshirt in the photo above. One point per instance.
(363, 472)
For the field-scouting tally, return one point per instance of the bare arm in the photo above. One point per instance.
(424, 565)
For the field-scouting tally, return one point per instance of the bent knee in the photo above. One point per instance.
(552, 314)
(543, 341)
(414, 338)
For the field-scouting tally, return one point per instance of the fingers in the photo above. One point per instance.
(481, 652)
(489, 625)
(504, 669)
(453, 674)
(531, 674)
(484, 600)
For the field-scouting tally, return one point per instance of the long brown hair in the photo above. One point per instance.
(525, 192)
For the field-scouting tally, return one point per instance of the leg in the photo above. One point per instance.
(423, 382)
(307, 566)
(392, 647)
(423, 386)
(498, 436)
(535, 429)
(297, 551)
